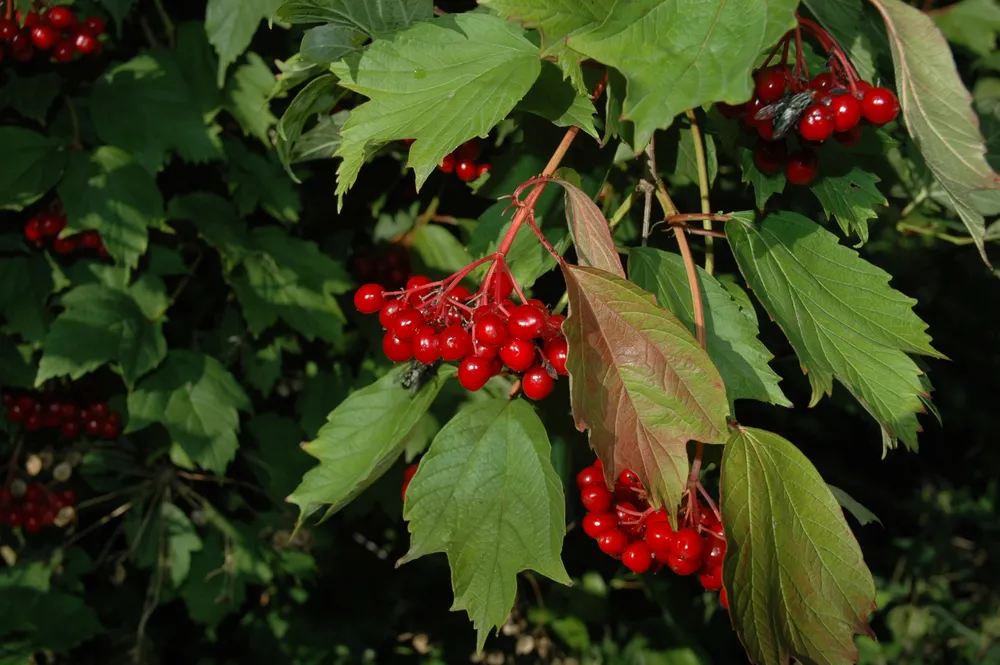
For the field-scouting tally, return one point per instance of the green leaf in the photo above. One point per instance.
(277, 439)
(840, 315)
(148, 108)
(319, 96)
(213, 590)
(198, 402)
(740, 357)
(15, 372)
(374, 17)
(31, 166)
(764, 185)
(467, 500)
(31, 96)
(216, 221)
(797, 582)
(439, 250)
(973, 24)
(556, 100)
(639, 382)
(362, 438)
(325, 44)
(118, 9)
(109, 192)
(439, 82)
(691, 61)
(101, 325)
(687, 160)
(25, 286)
(851, 198)
(248, 98)
(231, 24)
(320, 395)
(846, 501)
(51, 620)
(591, 232)
(164, 526)
(938, 113)
(322, 141)
(257, 180)
(846, 21)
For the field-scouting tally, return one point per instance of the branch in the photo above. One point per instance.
(703, 186)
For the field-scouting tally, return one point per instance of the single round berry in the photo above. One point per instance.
(32, 524)
(44, 37)
(770, 83)
(96, 25)
(455, 343)
(860, 88)
(8, 29)
(93, 426)
(417, 281)
(770, 157)
(801, 168)
(589, 476)
(388, 312)
(29, 20)
(659, 536)
(765, 129)
(67, 411)
(466, 170)
(407, 477)
(850, 137)
(64, 245)
(490, 330)
(33, 230)
(61, 17)
(553, 327)
(483, 170)
(556, 351)
(754, 106)
(85, 42)
(629, 479)
(594, 524)
(846, 112)
(51, 225)
(98, 410)
(395, 349)
(518, 354)
(368, 298)
(637, 557)
(406, 323)
(715, 552)
(33, 422)
(711, 581)
(526, 322)
(469, 151)
(823, 82)
(879, 106)
(22, 42)
(687, 544)
(730, 111)
(501, 285)
(596, 498)
(23, 54)
(426, 345)
(612, 542)
(682, 566)
(537, 383)
(460, 293)
(817, 123)
(91, 239)
(70, 430)
(109, 430)
(447, 164)
(474, 372)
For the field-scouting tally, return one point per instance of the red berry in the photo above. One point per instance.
(27, 404)
(23, 54)
(629, 479)
(846, 112)
(368, 298)
(683, 566)
(556, 351)
(395, 349)
(526, 322)
(711, 581)
(715, 552)
(67, 497)
(754, 106)
(64, 245)
(455, 343)
(637, 557)
(85, 42)
(98, 410)
(109, 430)
(724, 599)
(417, 281)
(44, 37)
(407, 477)
(406, 323)
(14, 518)
(879, 106)
(460, 293)
(596, 498)
(537, 383)
(823, 82)
(90, 239)
(817, 123)
(474, 372)
(612, 542)
(589, 476)
(770, 83)
(490, 330)
(861, 87)
(33, 230)
(501, 285)
(32, 524)
(765, 129)
(388, 312)
(30, 20)
(7, 29)
(687, 544)
(466, 171)
(729, 111)
(33, 492)
(850, 137)
(447, 164)
(61, 17)
(594, 524)
(426, 345)
(801, 168)
(33, 422)
(483, 170)
(95, 25)
(93, 426)
(115, 418)
(518, 354)
(659, 535)
(770, 157)
(67, 411)
(468, 151)
(51, 224)
(553, 327)
(70, 430)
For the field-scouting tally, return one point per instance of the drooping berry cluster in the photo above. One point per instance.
(626, 527)
(388, 266)
(34, 506)
(56, 33)
(483, 332)
(70, 418)
(464, 161)
(45, 228)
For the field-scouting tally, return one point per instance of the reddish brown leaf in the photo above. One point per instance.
(591, 232)
(639, 382)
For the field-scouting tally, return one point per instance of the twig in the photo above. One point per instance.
(694, 230)
(647, 189)
(168, 25)
(696, 216)
(703, 187)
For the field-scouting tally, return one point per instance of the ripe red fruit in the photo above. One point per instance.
(468, 151)
(32, 524)
(501, 285)
(109, 430)
(85, 42)
(879, 106)
(629, 479)
(467, 171)
(90, 239)
(98, 410)
(596, 498)
(23, 53)
(67, 411)
(33, 422)
(61, 17)
(715, 552)
(67, 497)
(612, 542)
(51, 224)
(823, 82)
(659, 536)
(711, 581)
(93, 426)
(14, 518)
(817, 123)
(770, 157)
(765, 129)
(483, 170)
(96, 25)
(7, 29)
(518, 354)
(30, 20)
(801, 168)
(537, 383)
(426, 345)
(553, 327)
(33, 230)
(368, 298)
(454, 343)
(407, 477)
(526, 322)
(687, 544)
(683, 566)
(406, 323)
(753, 107)
(64, 245)
(850, 137)
(846, 112)
(637, 557)
(594, 524)
(770, 83)
(556, 351)
(474, 372)
(395, 349)
(388, 313)
(447, 164)
(589, 476)
(33, 492)
(44, 37)
(490, 330)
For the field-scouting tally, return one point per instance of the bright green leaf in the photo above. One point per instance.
(329, 43)
(439, 250)
(851, 198)
(32, 164)
(687, 160)
(797, 583)
(840, 315)
(231, 24)
(971, 23)
(558, 101)
(374, 17)
(248, 98)
(469, 499)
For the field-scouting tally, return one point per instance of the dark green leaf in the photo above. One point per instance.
(322, 141)
(846, 21)
(257, 180)
(374, 17)
(846, 501)
(851, 198)
(51, 620)
(329, 43)
(31, 96)
(15, 372)
(971, 23)
(25, 285)
(764, 185)
(118, 9)
(282, 464)
(32, 164)
(556, 100)
(164, 537)
(317, 97)
(231, 24)
(248, 97)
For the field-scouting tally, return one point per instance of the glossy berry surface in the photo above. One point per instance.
(474, 372)
(802, 168)
(612, 542)
(879, 106)
(594, 524)
(596, 498)
(846, 111)
(589, 476)
(770, 84)
(637, 557)
(556, 351)
(467, 170)
(537, 383)
(368, 298)
(817, 123)
(526, 322)
(518, 354)
(395, 349)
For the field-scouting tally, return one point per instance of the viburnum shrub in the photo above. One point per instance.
(260, 259)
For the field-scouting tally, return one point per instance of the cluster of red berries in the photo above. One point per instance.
(57, 31)
(464, 162)
(388, 266)
(483, 332)
(626, 527)
(33, 506)
(68, 417)
(45, 228)
(815, 110)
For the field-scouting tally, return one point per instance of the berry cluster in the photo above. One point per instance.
(34, 507)
(464, 162)
(68, 417)
(483, 332)
(626, 527)
(45, 228)
(57, 32)
(388, 266)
